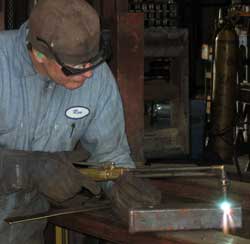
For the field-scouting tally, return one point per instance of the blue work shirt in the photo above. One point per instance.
(39, 115)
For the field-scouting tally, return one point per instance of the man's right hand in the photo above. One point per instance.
(51, 173)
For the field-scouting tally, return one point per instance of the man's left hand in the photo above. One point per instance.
(129, 191)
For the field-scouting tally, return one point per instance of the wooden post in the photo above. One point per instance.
(130, 77)
(2, 8)
(127, 65)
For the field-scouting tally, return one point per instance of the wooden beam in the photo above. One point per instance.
(129, 72)
(127, 65)
(2, 15)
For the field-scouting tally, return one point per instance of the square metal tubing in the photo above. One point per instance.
(182, 218)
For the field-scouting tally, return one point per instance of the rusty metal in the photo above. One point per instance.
(181, 218)
(224, 93)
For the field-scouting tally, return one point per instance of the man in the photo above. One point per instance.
(55, 91)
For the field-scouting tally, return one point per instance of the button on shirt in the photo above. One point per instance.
(37, 114)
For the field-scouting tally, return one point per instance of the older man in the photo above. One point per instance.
(56, 90)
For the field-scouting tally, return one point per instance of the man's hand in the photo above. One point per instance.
(58, 179)
(129, 192)
(14, 174)
(51, 173)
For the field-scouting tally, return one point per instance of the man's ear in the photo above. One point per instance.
(39, 57)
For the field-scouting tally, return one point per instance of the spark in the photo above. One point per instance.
(227, 222)
(226, 207)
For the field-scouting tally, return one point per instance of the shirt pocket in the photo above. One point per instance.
(65, 135)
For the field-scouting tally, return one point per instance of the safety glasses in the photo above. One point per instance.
(70, 71)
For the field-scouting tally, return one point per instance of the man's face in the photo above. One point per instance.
(53, 70)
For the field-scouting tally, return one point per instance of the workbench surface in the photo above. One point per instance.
(104, 225)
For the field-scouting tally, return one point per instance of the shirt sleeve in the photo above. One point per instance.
(105, 138)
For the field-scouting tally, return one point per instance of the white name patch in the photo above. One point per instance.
(77, 112)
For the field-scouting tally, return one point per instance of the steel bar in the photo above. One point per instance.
(53, 213)
(182, 218)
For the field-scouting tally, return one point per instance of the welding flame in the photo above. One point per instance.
(226, 207)
(227, 221)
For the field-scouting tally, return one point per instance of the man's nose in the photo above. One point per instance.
(84, 75)
(88, 73)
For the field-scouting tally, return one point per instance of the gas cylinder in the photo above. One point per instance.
(224, 92)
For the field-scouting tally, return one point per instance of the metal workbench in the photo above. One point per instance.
(104, 225)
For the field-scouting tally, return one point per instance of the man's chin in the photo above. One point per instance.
(72, 85)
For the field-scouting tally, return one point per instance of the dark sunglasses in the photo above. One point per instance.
(67, 70)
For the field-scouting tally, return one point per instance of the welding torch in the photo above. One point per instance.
(110, 171)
